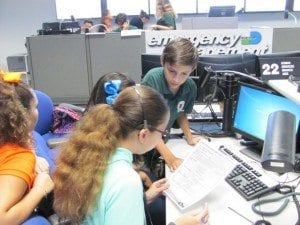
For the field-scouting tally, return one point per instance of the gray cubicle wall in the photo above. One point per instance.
(113, 53)
(286, 39)
(58, 67)
(67, 66)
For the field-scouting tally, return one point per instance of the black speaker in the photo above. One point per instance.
(280, 142)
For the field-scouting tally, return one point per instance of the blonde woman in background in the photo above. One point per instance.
(165, 16)
(106, 20)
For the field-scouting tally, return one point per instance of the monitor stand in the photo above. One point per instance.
(253, 152)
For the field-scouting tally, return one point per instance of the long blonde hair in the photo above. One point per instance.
(164, 6)
(81, 165)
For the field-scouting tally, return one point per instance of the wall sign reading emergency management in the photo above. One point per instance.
(214, 42)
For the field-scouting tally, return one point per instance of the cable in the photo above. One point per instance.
(266, 201)
(297, 205)
(209, 70)
(241, 74)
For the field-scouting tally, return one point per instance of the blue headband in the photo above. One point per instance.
(112, 88)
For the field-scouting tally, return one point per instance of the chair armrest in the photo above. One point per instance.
(73, 107)
(56, 142)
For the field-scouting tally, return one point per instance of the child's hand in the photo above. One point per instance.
(174, 163)
(194, 140)
(195, 218)
(156, 190)
(41, 165)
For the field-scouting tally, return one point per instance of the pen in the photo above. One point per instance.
(240, 215)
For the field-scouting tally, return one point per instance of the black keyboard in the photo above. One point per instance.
(246, 180)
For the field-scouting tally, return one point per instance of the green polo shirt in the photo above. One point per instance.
(167, 20)
(181, 102)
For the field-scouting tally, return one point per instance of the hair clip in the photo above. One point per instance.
(11, 77)
(112, 88)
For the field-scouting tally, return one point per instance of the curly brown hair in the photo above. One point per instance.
(81, 165)
(14, 119)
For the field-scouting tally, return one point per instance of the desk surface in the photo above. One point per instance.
(286, 88)
(224, 196)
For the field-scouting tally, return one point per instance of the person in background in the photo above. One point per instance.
(87, 24)
(95, 182)
(100, 95)
(139, 21)
(178, 60)
(24, 180)
(106, 20)
(123, 23)
(165, 16)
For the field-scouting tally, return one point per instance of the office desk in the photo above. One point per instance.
(224, 196)
(286, 88)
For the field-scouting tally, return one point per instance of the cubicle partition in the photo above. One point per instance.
(67, 66)
(58, 66)
(114, 53)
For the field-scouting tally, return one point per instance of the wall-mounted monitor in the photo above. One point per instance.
(221, 11)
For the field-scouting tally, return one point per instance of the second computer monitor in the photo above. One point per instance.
(244, 63)
(253, 107)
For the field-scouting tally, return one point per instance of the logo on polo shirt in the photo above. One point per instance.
(180, 106)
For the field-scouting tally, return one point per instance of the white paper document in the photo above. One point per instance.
(199, 173)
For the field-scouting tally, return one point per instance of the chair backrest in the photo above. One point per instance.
(98, 28)
(45, 109)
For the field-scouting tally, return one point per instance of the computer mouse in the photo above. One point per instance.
(262, 222)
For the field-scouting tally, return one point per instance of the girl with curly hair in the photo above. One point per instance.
(21, 187)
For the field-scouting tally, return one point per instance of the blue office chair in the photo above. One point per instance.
(45, 109)
(45, 118)
(56, 118)
(36, 220)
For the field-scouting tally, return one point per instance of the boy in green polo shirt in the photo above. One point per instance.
(123, 23)
(178, 60)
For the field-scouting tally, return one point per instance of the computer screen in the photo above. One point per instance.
(148, 62)
(244, 63)
(253, 107)
(221, 11)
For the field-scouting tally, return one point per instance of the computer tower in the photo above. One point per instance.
(17, 63)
